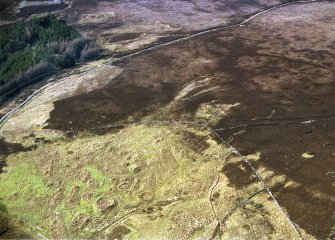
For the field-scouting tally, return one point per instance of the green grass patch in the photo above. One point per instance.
(23, 192)
(70, 206)
(22, 182)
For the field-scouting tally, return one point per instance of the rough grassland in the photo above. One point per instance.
(111, 186)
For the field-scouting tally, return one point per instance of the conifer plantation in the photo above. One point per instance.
(33, 49)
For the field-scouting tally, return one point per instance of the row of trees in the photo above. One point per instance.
(39, 47)
(37, 31)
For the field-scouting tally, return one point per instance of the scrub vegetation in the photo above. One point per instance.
(33, 49)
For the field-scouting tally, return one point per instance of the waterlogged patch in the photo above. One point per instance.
(213, 112)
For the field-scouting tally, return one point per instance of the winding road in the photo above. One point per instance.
(151, 48)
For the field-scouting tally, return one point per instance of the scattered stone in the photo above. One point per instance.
(106, 205)
(56, 198)
(86, 196)
(308, 155)
(93, 183)
(80, 220)
(119, 232)
(85, 176)
(149, 210)
(160, 139)
(136, 169)
(122, 185)
(216, 195)
(74, 195)
(50, 183)
(13, 197)
(308, 130)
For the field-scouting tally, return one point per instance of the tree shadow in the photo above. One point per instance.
(6, 149)
(8, 230)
